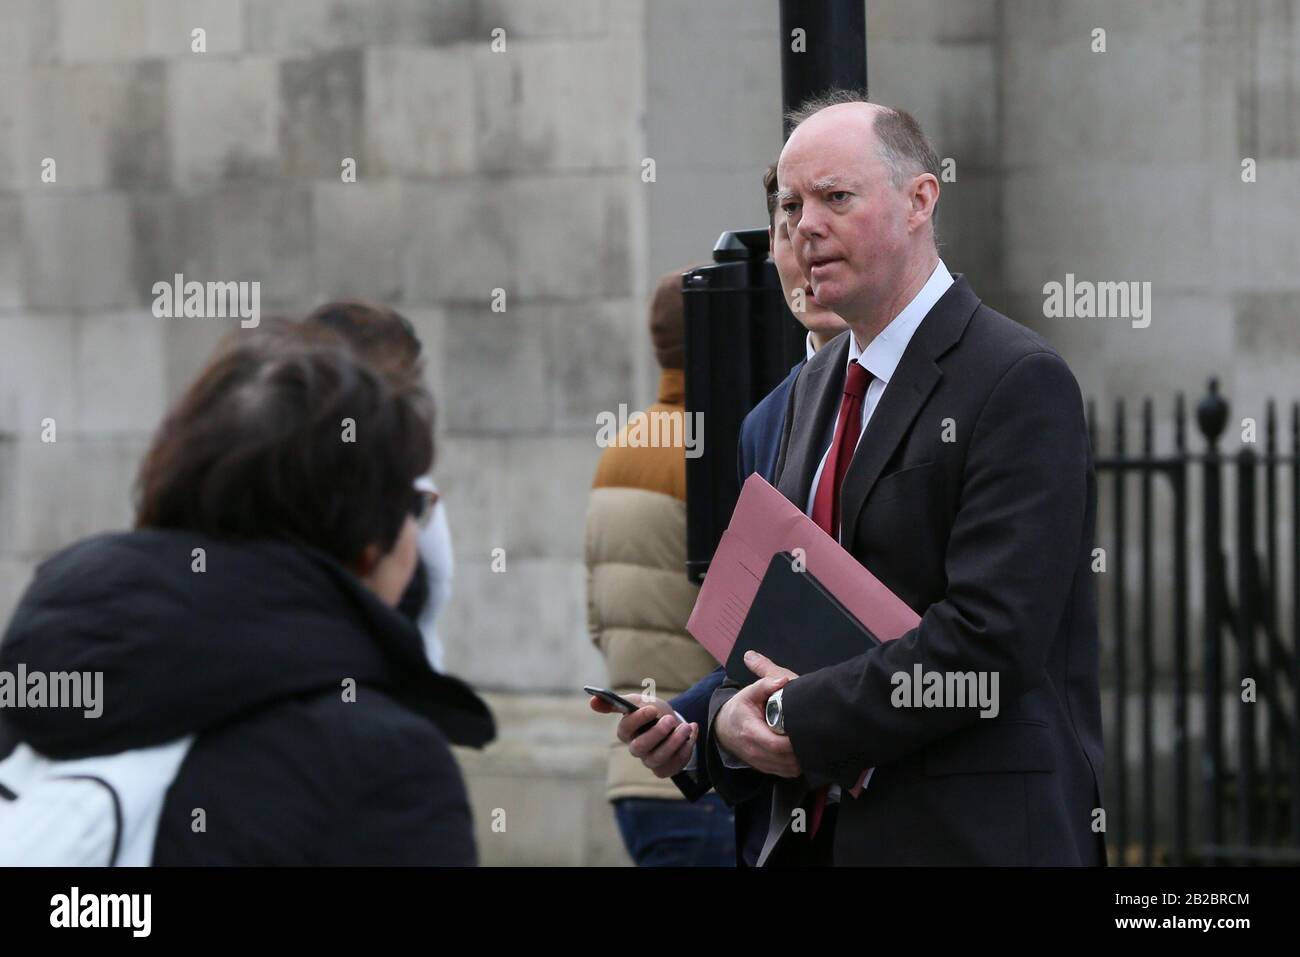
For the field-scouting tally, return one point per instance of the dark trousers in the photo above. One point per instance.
(666, 833)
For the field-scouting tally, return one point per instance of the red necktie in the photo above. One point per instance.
(826, 503)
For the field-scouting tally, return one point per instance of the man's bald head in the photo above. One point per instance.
(857, 188)
(896, 134)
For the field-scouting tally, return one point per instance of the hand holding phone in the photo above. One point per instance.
(665, 752)
(619, 703)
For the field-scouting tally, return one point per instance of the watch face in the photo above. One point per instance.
(773, 709)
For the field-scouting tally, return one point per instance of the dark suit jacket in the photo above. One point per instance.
(760, 433)
(760, 444)
(972, 496)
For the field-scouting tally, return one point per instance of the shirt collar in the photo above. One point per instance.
(808, 347)
(883, 353)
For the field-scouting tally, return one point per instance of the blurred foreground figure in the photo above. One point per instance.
(262, 700)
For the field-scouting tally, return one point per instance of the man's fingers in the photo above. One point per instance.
(667, 747)
(765, 667)
(786, 764)
(601, 705)
(773, 683)
(643, 743)
(682, 756)
(752, 741)
(632, 723)
(764, 688)
(673, 755)
(784, 759)
(760, 665)
(775, 755)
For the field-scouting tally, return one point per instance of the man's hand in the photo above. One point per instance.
(667, 746)
(766, 668)
(742, 722)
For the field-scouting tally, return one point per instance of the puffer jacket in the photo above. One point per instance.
(251, 657)
(638, 596)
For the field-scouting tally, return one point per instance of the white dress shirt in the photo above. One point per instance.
(883, 353)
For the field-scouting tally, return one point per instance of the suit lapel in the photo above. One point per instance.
(816, 400)
(913, 381)
(907, 391)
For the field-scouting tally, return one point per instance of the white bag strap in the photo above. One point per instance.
(106, 808)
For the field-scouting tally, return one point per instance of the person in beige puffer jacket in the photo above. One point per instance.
(638, 600)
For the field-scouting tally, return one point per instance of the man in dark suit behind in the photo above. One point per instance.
(961, 476)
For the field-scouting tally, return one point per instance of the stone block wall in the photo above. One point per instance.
(520, 170)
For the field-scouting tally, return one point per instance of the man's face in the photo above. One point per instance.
(794, 284)
(847, 224)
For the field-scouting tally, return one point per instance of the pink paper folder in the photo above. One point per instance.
(766, 522)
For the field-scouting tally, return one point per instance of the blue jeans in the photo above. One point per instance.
(664, 833)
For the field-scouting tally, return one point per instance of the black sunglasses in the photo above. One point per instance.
(421, 505)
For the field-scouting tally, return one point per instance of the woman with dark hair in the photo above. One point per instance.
(248, 625)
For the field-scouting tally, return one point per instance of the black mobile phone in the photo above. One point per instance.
(612, 698)
(616, 700)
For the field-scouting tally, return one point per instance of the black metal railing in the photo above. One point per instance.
(1233, 802)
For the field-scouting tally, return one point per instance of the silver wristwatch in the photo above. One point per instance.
(776, 713)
